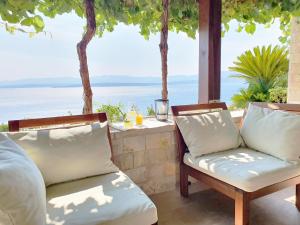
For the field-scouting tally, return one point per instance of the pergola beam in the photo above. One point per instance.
(210, 12)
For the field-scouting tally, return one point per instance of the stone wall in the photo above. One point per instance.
(149, 156)
(294, 70)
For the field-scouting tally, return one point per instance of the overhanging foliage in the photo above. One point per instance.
(146, 14)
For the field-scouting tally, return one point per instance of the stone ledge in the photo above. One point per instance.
(152, 126)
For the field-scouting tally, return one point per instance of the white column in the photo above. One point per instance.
(294, 70)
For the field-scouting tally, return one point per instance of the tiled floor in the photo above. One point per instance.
(211, 208)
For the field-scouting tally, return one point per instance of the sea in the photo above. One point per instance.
(37, 100)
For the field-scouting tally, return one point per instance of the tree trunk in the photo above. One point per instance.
(81, 51)
(164, 48)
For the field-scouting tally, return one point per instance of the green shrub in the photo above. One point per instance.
(150, 111)
(240, 100)
(3, 127)
(246, 95)
(278, 95)
(260, 97)
(114, 112)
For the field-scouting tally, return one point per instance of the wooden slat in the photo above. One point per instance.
(214, 183)
(181, 109)
(16, 125)
(274, 188)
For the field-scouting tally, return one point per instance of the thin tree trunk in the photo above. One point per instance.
(81, 51)
(164, 48)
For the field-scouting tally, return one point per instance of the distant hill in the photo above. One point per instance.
(103, 81)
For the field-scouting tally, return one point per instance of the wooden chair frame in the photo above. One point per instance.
(17, 125)
(242, 198)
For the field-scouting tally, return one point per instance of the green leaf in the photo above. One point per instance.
(240, 28)
(38, 23)
(27, 22)
(250, 28)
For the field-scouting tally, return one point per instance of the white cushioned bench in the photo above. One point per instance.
(244, 164)
(74, 180)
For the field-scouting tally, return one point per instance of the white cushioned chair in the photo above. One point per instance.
(110, 199)
(236, 169)
(82, 188)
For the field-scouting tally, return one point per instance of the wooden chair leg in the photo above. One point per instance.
(242, 205)
(298, 196)
(184, 183)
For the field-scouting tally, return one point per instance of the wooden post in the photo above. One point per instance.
(298, 196)
(241, 208)
(210, 12)
(184, 181)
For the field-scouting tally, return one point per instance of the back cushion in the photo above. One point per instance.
(69, 153)
(209, 132)
(273, 132)
(22, 188)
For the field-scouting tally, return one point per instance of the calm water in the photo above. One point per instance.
(19, 103)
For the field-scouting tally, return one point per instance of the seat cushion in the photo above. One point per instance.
(209, 132)
(274, 132)
(22, 188)
(244, 168)
(68, 153)
(110, 199)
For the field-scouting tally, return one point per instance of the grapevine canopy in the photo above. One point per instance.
(22, 14)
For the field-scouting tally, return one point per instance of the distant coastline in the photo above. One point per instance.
(102, 81)
(93, 85)
(61, 96)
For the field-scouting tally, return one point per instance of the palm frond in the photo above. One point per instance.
(263, 68)
(262, 65)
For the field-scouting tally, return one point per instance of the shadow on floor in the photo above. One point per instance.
(212, 208)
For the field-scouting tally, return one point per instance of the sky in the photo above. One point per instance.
(122, 52)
